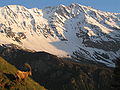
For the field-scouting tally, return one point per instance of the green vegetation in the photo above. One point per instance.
(8, 81)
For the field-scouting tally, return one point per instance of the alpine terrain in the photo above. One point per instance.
(68, 48)
(73, 31)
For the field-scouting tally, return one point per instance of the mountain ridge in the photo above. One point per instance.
(67, 31)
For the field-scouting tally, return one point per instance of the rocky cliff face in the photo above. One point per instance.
(69, 31)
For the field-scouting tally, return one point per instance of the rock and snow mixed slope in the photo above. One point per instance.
(74, 30)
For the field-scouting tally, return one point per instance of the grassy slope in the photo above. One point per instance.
(7, 79)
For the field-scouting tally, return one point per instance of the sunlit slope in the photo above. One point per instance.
(7, 79)
(74, 30)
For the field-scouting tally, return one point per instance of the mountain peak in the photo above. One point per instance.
(69, 31)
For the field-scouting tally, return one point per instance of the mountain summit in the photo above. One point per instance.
(67, 31)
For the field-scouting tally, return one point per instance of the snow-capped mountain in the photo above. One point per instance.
(75, 30)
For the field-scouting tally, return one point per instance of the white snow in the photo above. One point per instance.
(55, 32)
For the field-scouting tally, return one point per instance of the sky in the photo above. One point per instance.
(104, 5)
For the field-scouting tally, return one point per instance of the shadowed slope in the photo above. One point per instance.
(61, 73)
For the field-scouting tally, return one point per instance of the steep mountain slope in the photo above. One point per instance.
(56, 73)
(7, 79)
(78, 31)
